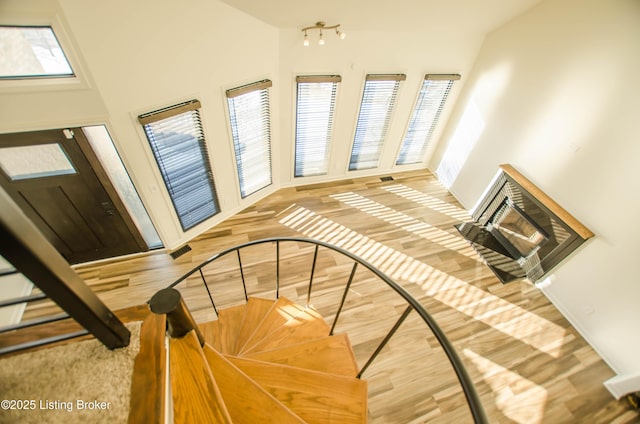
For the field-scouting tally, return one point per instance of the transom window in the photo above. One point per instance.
(378, 101)
(315, 105)
(31, 52)
(251, 132)
(431, 100)
(177, 140)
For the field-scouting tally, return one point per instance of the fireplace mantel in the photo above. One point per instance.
(520, 231)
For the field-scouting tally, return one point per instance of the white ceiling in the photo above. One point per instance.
(479, 16)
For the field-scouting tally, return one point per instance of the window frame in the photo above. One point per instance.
(44, 76)
(323, 169)
(367, 104)
(265, 121)
(33, 85)
(179, 110)
(425, 118)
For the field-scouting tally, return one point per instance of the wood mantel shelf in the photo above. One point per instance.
(547, 201)
(519, 231)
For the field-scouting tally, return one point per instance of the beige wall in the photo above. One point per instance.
(555, 93)
(369, 52)
(137, 56)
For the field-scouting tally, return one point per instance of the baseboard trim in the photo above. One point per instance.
(621, 385)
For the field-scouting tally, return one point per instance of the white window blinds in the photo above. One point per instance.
(177, 141)
(251, 132)
(431, 100)
(315, 105)
(377, 104)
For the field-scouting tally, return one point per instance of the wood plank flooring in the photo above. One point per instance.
(529, 364)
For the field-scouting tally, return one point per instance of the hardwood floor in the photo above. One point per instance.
(529, 364)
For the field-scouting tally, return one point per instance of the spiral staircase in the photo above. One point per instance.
(265, 360)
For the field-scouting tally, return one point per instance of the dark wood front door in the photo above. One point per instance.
(58, 182)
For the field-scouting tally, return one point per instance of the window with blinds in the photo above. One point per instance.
(177, 141)
(251, 132)
(431, 100)
(315, 105)
(377, 104)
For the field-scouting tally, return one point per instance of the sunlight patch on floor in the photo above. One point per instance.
(407, 223)
(428, 201)
(504, 316)
(518, 398)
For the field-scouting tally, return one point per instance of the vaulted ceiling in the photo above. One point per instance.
(399, 15)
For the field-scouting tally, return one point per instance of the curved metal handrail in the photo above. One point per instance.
(475, 406)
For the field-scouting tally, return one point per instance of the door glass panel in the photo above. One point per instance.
(43, 160)
(104, 148)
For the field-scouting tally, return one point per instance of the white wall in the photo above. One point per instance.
(149, 54)
(415, 54)
(137, 56)
(555, 92)
(36, 105)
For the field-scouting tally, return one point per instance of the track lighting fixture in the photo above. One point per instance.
(320, 26)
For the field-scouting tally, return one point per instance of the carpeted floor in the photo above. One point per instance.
(79, 382)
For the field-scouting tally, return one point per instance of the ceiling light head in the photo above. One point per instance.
(320, 25)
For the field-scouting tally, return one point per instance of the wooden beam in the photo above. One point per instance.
(547, 201)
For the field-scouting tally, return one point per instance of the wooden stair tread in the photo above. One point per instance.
(257, 308)
(305, 326)
(246, 401)
(230, 322)
(331, 354)
(314, 396)
(211, 333)
(280, 312)
(196, 397)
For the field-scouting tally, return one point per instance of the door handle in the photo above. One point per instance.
(108, 208)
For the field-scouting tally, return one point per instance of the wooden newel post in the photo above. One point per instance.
(179, 320)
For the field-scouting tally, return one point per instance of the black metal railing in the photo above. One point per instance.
(16, 327)
(465, 381)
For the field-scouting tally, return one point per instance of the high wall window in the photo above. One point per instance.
(377, 104)
(177, 140)
(31, 52)
(251, 132)
(315, 105)
(431, 100)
